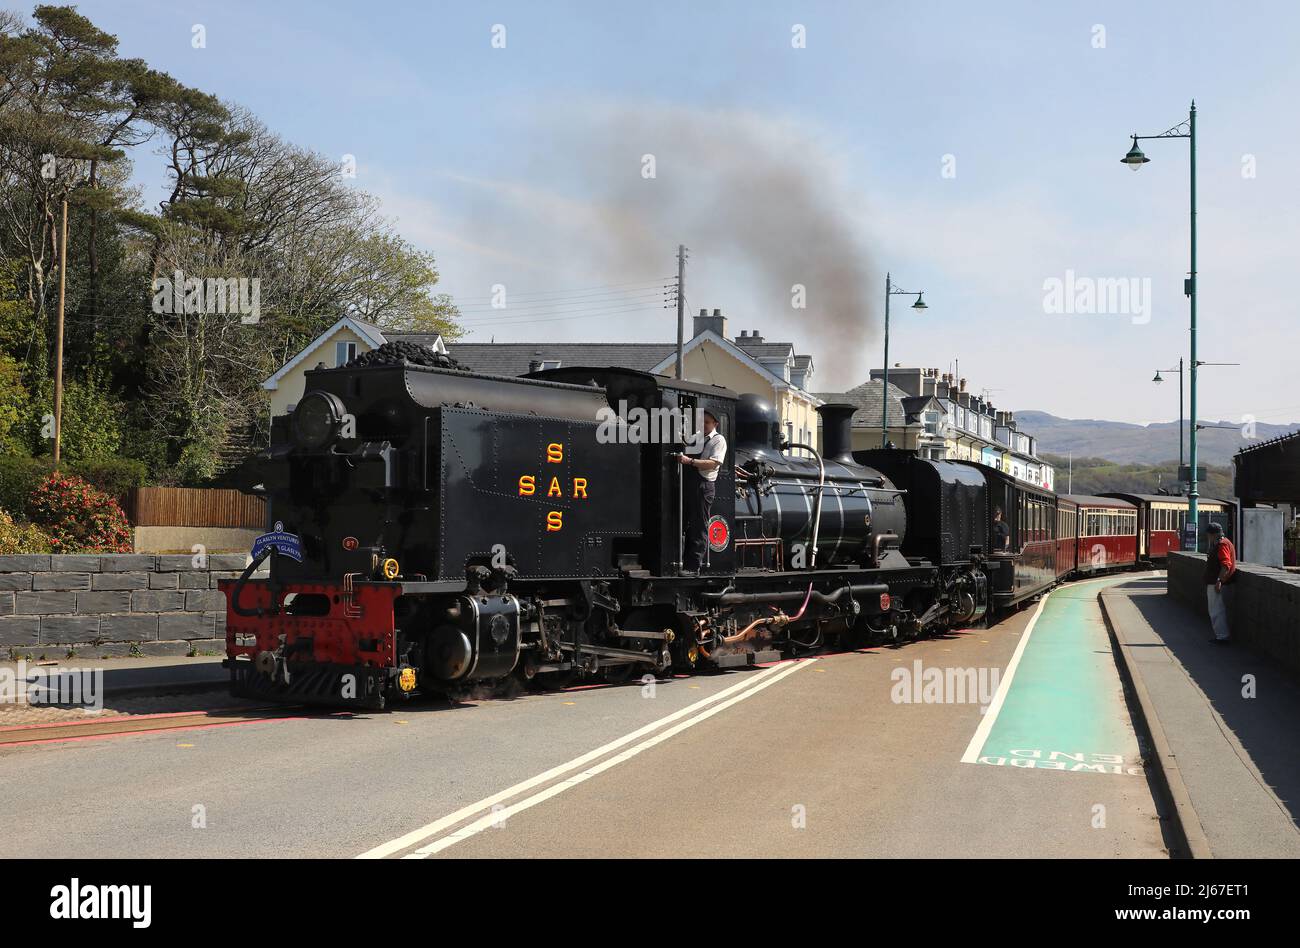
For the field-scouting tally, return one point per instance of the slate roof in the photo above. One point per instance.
(764, 350)
(867, 397)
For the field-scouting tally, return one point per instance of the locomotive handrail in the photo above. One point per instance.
(821, 487)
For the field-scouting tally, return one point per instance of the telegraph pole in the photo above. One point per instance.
(681, 304)
(58, 345)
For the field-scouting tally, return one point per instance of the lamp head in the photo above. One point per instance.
(1135, 159)
(1157, 379)
(920, 303)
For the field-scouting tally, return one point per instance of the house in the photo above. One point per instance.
(332, 348)
(936, 416)
(747, 363)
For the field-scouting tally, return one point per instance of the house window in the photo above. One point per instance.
(344, 352)
(550, 363)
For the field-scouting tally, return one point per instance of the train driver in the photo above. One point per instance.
(698, 488)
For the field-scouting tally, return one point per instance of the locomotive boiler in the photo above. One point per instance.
(823, 507)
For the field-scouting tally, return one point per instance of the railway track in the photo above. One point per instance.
(118, 724)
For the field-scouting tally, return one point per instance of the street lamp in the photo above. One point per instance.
(919, 306)
(1158, 380)
(1135, 160)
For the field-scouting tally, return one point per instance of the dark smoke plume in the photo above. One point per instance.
(761, 205)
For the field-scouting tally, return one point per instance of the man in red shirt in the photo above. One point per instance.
(1220, 571)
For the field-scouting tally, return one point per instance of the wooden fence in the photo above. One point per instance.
(195, 507)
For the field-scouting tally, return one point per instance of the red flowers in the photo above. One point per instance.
(79, 518)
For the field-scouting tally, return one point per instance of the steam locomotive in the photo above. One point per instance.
(436, 529)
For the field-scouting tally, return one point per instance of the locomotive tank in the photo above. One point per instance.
(862, 513)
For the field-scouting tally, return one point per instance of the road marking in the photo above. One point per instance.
(497, 818)
(991, 715)
(420, 835)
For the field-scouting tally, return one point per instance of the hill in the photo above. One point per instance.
(1100, 475)
(1137, 444)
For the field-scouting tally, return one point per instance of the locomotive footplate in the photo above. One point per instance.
(310, 683)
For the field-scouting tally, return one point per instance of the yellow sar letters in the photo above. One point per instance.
(528, 487)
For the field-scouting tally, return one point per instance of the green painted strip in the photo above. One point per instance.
(1064, 708)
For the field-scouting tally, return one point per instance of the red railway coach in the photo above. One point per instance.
(1067, 520)
(1107, 534)
(1161, 518)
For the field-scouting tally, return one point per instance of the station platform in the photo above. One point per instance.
(1222, 723)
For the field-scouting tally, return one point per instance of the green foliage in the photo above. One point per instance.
(21, 537)
(179, 392)
(92, 420)
(14, 406)
(77, 517)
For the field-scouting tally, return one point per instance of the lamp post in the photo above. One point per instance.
(919, 305)
(1135, 160)
(1158, 380)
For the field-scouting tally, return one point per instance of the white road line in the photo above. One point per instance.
(493, 819)
(990, 716)
(424, 832)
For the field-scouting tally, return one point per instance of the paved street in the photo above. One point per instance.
(810, 758)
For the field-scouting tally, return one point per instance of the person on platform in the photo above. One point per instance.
(698, 488)
(1220, 572)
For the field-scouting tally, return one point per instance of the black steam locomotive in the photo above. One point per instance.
(434, 527)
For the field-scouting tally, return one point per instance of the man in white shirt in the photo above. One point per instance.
(698, 488)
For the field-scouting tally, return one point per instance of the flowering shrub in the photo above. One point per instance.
(77, 517)
(21, 537)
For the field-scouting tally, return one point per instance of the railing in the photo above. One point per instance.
(195, 507)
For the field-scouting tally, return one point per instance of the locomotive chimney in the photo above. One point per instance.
(837, 432)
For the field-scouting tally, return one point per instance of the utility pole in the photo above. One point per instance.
(58, 345)
(681, 304)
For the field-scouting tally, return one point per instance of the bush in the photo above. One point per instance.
(116, 477)
(16, 537)
(19, 476)
(77, 517)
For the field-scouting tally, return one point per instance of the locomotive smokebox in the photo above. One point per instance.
(837, 431)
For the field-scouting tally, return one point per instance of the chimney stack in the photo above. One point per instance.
(837, 431)
(716, 323)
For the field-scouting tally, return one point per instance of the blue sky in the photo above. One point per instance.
(509, 165)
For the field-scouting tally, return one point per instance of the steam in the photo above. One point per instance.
(762, 205)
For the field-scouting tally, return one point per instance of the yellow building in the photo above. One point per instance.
(332, 348)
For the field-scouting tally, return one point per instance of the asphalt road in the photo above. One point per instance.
(810, 758)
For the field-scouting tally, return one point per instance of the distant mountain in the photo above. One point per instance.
(1139, 444)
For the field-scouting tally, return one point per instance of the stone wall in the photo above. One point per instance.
(113, 604)
(1263, 607)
